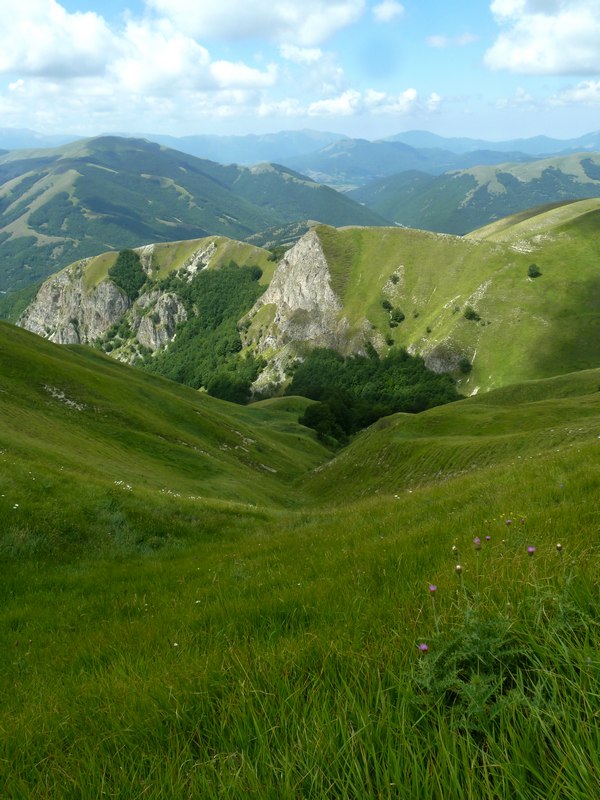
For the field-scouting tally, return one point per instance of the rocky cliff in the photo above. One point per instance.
(65, 312)
(299, 311)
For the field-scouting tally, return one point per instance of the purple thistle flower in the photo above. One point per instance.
(423, 647)
(531, 550)
(432, 588)
(477, 543)
(508, 521)
(488, 538)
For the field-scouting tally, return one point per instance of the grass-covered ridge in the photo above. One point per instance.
(185, 613)
(521, 328)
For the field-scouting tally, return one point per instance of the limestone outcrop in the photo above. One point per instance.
(66, 312)
(299, 311)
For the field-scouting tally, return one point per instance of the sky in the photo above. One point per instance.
(495, 69)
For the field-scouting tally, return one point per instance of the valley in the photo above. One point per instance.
(216, 599)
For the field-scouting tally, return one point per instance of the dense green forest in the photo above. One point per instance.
(205, 351)
(354, 392)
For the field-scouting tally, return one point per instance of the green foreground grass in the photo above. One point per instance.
(166, 633)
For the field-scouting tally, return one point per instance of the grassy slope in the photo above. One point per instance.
(490, 431)
(162, 646)
(528, 329)
(150, 434)
(171, 256)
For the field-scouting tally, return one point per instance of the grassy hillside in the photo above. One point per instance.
(178, 619)
(527, 327)
(78, 200)
(92, 428)
(459, 202)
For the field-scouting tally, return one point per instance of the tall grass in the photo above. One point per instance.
(165, 638)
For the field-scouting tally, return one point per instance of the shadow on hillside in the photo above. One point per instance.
(571, 341)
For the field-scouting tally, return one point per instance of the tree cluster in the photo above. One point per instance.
(354, 392)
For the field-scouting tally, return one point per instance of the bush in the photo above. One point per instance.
(386, 304)
(533, 271)
(465, 366)
(397, 315)
(470, 314)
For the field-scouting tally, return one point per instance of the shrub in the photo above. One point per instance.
(470, 314)
(533, 271)
(397, 315)
(465, 366)
(386, 304)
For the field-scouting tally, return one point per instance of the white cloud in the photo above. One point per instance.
(387, 10)
(301, 55)
(307, 24)
(39, 37)
(229, 75)
(353, 103)
(584, 93)
(433, 102)
(546, 37)
(520, 99)
(290, 107)
(160, 60)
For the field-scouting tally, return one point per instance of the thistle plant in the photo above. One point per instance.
(483, 663)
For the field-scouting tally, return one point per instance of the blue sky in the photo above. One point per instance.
(497, 69)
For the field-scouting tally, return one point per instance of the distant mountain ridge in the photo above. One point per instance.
(351, 163)
(461, 201)
(78, 200)
(534, 146)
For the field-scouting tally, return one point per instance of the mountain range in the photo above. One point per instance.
(75, 201)
(250, 149)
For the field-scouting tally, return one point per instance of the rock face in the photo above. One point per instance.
(298, 311)
(157, 328)
(65, 312)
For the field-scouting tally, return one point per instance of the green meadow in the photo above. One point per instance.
(200, 600)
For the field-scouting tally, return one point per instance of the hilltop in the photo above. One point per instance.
(468, 305)
(78, 200)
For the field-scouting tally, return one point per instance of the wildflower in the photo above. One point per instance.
(488, 538)
(458, 569)
(432, 588)
(559, 547)
(531, 550)
(454, 549)
(477, 543)
(508, 521)
(423, 647)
